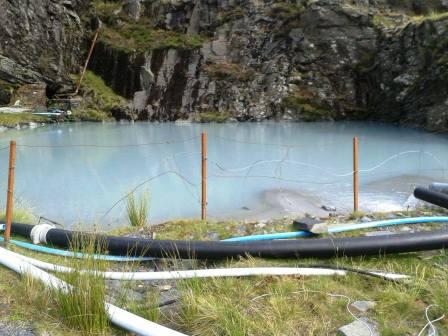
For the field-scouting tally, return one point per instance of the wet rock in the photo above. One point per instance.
(328, 208)
(305, 223)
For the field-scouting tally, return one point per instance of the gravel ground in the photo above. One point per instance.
(15, 328)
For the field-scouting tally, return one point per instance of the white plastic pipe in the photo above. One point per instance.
(118, 316)
(207, 273)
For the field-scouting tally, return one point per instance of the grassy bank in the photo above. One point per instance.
(287, 305)
(13, 119)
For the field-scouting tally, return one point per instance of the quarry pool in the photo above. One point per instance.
(74, 173)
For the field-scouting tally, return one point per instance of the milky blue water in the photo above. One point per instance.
(249, 166)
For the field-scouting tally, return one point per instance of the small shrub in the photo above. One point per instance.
(90, 114)
(231, 15)
(229, 71)
(137, 210)
(306, 107)
(285, 11)
(12, 119)
(82, 306)
(99, 99)
(206, 117)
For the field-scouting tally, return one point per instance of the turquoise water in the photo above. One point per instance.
(249, 166)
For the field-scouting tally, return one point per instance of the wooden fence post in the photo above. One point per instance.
(95, 37)
(204, 177)
(10, 193)
(355, 175)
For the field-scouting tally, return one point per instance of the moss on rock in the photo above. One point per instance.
(99, 100)
(212, 116)
(306, 107)
(229, 71)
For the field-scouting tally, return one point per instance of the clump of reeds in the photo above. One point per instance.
(138, 209)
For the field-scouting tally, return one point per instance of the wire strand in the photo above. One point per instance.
(108, 146)
(145, 182)
(430, 323)
(349, 301)
(325, 170)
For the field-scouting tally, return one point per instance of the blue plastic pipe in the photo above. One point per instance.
(384, 223)
(271, 236)
(64, 253)
(342, 228)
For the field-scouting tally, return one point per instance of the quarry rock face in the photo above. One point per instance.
(301, 60)
(294, 60)
(40, 41)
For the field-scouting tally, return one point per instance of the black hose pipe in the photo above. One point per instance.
(431, 196)
(300, 248)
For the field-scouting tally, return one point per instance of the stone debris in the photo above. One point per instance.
(363, 306)
(366, 219)
(15, 328)
(305, 223)
(358, 328)
(213, 236)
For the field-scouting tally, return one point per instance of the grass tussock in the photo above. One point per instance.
(137, 209)
(230, 71)
(275, 305)
(207, 117)
(99, 99)
(80, 307)
(313, 305)
(22, 213)
(12, 119)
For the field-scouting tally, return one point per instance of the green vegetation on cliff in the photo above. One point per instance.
(125, 34)
(206, 117)
(142, 37)
(99, 99)
(229, 71)
(306, 107)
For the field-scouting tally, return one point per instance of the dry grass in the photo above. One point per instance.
(287, 305)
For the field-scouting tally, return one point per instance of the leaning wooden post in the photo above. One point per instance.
(95, 37)
(204, 177)
(355, 175)
(10, 193)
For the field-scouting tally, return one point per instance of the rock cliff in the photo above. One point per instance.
(246, 59)
(295, 60)
(41, 41)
